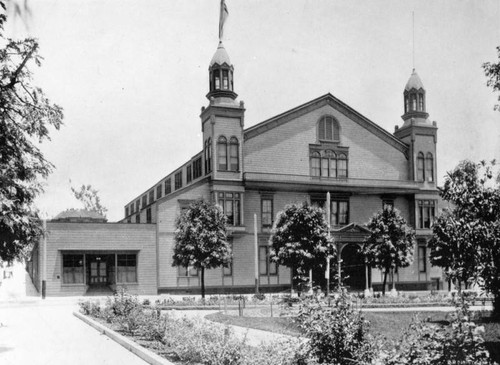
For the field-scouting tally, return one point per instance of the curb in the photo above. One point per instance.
(148, 356)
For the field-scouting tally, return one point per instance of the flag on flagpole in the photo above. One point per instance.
(222, 19)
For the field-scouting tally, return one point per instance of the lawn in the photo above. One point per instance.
(388, 325)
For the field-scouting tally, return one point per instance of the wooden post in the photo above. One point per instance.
(44, 260)
(327, 273)
(256, 243)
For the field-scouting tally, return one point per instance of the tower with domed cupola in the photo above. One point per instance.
(222, 121)
(418, 132)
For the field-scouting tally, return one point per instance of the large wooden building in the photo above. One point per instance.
(299, 155)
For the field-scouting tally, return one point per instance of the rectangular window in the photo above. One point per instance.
(151, 196)
(189, 175)
(425, 213)
(266, 266)
(72, 269)
(341, 168)
(131, 208)
(127, 268)
(267, 212)
(315, 166)
(222, 156)
(339, 213)
(129, 220)
(126, 211)
(231, 205)
(233, 157)
(225, 79)
(186, 271)
(148, 215)
(197, 168)
(158, 192)
(168, 186)
(137, 205)
(178, 180)
(144, 201)
(422, 258)
(138, 218)
(324, 167)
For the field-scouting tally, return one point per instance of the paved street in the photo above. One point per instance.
(39, 332)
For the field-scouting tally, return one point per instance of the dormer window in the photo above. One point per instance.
(328, 129)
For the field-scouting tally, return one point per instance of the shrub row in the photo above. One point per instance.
(335, 334)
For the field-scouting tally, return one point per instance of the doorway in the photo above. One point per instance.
(353, 267)
(100, 269)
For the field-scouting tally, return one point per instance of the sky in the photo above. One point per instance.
(133, 75)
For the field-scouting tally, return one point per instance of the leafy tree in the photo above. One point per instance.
(90, 199)
(300, 239)
(451, 248)
(200, 239)
(390, 244)
(492, 72)
(25, 117)
(474, 222)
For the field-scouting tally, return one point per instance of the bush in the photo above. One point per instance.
(337, 335)
(427, 344)
(90, 308)
(122, 303)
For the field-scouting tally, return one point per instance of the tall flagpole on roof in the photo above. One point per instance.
(222, 18)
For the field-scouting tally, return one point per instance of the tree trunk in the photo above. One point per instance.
(496, 304)
(385, 282)
(203, 283)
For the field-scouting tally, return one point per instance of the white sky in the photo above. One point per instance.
(132, 77)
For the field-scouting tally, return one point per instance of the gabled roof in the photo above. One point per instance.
(327, 99)
(353, 228)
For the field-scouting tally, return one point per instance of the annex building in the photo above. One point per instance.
(299, 155)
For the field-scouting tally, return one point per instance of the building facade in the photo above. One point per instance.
(297, 156)
(321, 146)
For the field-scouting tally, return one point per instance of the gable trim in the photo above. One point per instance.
(327, 99)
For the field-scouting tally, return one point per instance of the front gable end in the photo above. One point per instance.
(324, 128)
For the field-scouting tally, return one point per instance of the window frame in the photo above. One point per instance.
(269, 214)
(159, 191)
(189, 174)
(65, 257)
(222, 157)
(127, 257)
(426, 208)
(224, 197)
(422, 258)
(168, 186)
(323, 130)
(178, 180)
(265, 259)
(186, 272)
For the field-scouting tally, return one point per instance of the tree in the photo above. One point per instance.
(474, 222)
(492, 72)
(25, 117)
(300, 239)
(390, 244)
(200, 239)
(451, 248)
(90, 199)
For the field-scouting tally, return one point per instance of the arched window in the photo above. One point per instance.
(429, 167)
(234, 160)
(421, 102)
(342, 165)
(420, 166)
(331, 157)
(406, 104)
(315, 164)
(328, 129)
(413, 102)
(222, 153)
